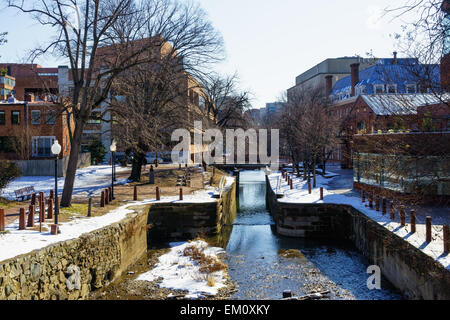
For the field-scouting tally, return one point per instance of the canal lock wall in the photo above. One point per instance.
(415, 274)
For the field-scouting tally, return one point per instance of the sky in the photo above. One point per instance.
(267, 42)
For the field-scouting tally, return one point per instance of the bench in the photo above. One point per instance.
(24, 192)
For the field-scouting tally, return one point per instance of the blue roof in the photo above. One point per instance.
(406, 71)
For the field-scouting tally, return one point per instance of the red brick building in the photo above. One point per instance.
(28, 130)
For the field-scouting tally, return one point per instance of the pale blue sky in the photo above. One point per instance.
(268, 42)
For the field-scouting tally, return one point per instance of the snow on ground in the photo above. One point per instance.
(300, 195)
(180, 272)
(89, 181)
(16, 242)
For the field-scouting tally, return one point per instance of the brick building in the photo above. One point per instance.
(29, 128)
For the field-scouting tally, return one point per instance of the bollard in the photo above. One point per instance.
(181, 194)
(392, 210)
(383, 206)
(363, 196)
(2, 219)
(402, 216)
(110, 194)
(42, 211)
(54, 229)
(102, 200)
(446, 231)
(309, 187)
(158, 197)
(30, 223)
(370, 200)
(90, 208)
(52, 194)
(412, 215)
(135, 193)
(106, 196)
(377, 203)
(291, 185)
(50, 209)
(321, 193)
(428, 229)
(22, 219)
(33, 199)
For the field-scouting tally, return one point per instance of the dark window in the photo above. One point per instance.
(51, 117)
(35, 117)
(15, 117)
(2, 118)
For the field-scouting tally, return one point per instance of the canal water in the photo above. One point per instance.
(263, 268)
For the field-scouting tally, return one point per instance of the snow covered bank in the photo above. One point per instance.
(181, 272)
(89, 181)
(300, 195)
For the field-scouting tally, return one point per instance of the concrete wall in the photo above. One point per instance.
(47, 167)
(414, 273)
(73, 268)
(182, 221)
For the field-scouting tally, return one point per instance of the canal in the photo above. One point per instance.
(264, 264)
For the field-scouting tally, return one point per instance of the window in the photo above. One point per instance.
(411, 88)
(96, 117)
(42, 146)
(2, 118)
(378, 88)
(51, 117)
(391, 88)
(361, 125)
(15, 117)
(35, 117)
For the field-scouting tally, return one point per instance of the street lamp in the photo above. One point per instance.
(113, 149)
(56, 150)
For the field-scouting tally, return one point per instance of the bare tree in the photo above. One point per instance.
(128, 30)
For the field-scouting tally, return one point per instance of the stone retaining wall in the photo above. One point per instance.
(72, 269)
(415, 274)
(184, 221)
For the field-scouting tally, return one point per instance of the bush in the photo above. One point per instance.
(98, 152)
(8, 171)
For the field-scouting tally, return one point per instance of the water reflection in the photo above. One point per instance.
(261, 273)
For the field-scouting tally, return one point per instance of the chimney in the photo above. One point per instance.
(355, 76)
(328, 85)
(395, 58)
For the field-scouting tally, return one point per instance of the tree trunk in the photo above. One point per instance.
(136, 170)
(66, 199)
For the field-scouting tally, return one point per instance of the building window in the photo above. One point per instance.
(15, 117)
(361, 125)
(411, 88)
(96, 117)
(42, 146)
(378, 88)
(391, 88)
(35, 117)
(2, 118)
(51, 117)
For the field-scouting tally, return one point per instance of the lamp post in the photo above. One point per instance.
(56, 150)
(113, 149)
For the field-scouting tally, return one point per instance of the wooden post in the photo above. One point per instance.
(52, 194)
(321, 193)
(102, 200)
(309, 187)
(370, 200)
(377, 203)
(402, 216)
(54, 229)
(446, 231)
(2, 219)
(363, 196)
(428, 229)
(106, 196)
(158, 197)
(135, 197)
(392, 210)
(50, 209)
(291, 185)
(22, 225)
(42, 210)
(33, 199)
(181, 194)
(30, 223)
(412, 215)
(90, 208)
(383, 206)
(110, 194)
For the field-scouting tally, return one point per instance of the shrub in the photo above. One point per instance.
(98, 151)
(8, 171)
